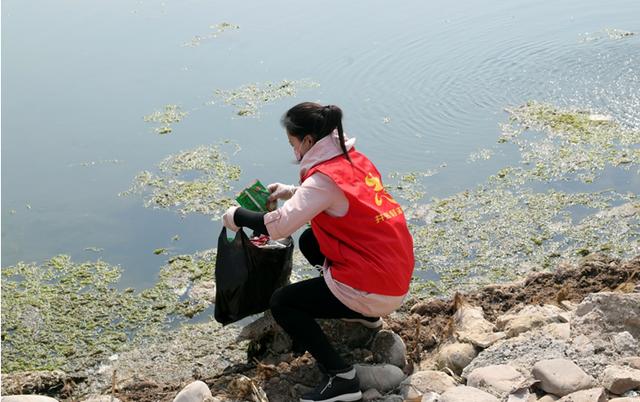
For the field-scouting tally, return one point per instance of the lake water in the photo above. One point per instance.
(423, 84)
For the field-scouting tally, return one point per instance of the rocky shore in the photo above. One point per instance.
(569, 335)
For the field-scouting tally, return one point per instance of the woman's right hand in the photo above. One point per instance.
(279, 191)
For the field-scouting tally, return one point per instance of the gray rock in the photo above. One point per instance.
(27, 398)
(587, 395)
(384, 377)
(466, 394)
(499, 380)
(392, 398)
(561, 377)
(633, 362)
(32, 382)
(370, 395)
(619, 379)
(197, 391)
(456, 356)
(625, 399)
(426, 381)
(609, 312)
(624, 342)
(388, 347)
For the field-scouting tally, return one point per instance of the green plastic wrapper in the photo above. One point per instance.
(254, 197)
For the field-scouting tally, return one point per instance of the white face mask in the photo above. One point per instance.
(297, 153)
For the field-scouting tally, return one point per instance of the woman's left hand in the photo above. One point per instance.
(227, 219)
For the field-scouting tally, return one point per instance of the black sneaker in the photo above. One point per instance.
(336, 386)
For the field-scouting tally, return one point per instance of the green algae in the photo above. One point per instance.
(480, 155)
(607, 33)
(96, 163)
(248, 99)
(198, 180)
(571, 144)
(504, 228)
(67, 315)
(166, 118)
(408, 186)
(216, 31)
(498, 233)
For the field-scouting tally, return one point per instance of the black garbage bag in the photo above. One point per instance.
(247, 275)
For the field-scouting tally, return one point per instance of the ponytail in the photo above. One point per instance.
(310, 118)
(333, 121)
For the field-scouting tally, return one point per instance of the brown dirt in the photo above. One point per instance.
(423, 325)
(595, 273)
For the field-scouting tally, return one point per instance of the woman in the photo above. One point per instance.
(358, 236)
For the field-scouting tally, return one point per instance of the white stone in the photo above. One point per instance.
(498, 380)
(469, 318)
(625, 399)
(197, 391)
(561, 377)
(426, 381)
(466, 394)
(384, 377)
(430, 397)
(548, 398)
(388, 347)
(619, 380)
(558, 330)
(586, 395)
(100, 398)
(530, 317)
(27, 398)
(456, 356)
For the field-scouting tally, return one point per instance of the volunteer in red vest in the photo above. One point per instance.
(358, 239)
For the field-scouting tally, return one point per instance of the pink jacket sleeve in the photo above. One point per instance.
(317, 193)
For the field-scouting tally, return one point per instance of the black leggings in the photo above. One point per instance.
(296, 306)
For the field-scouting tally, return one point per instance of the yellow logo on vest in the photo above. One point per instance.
(380, 193)
(375, 182)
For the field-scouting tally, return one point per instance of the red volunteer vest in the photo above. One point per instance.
(370, 248)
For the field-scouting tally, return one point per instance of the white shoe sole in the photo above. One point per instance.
(356, 396)
(368, 324)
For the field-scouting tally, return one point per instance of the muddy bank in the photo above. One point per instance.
(260, 358)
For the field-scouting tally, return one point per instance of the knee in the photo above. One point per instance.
(278, 301)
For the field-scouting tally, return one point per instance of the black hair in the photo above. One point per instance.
(313, 119)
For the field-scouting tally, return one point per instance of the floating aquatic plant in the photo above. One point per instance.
(482, 154)
(408, 186)
(197, 180)
(248, 99)
(67, 315)
(498, 233)
(572, 144)
(216, 30)
(504, 228)
(166, 118)
(607, 33)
